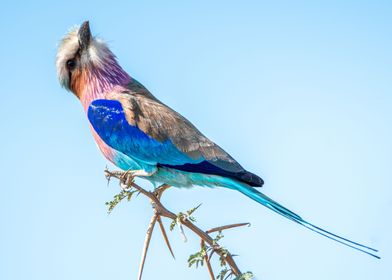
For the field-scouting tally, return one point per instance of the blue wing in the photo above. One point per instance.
(125, 131)
(109, 121)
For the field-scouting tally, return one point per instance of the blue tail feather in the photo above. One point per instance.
(276, 207)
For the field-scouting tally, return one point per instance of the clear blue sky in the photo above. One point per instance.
(298, 93)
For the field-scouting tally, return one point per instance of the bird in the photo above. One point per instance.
(141, 135)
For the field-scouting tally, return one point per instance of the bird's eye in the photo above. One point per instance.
(71, 64)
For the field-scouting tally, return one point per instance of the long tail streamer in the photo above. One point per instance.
(276, 207)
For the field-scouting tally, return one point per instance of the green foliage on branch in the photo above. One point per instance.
(199, 258)
(184, 216)
(118, 198)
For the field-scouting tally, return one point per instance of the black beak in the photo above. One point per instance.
(84, 35)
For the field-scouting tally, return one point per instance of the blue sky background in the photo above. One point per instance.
(299, 93)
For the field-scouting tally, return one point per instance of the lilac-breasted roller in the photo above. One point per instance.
(137, 132)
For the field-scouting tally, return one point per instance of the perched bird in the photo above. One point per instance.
(138, 133)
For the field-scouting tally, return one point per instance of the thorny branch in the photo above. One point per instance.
(208, 244)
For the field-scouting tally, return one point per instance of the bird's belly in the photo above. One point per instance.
(183, 179)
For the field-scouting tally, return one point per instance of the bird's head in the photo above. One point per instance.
(85, 63)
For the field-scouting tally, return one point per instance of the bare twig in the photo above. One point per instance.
(150, 229)
(227, 227)
(162, 211)
(165, 236)
(207, 260)
(158, 193)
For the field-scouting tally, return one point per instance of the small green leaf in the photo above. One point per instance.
(197, 258)
(245, 276)
(222, 274)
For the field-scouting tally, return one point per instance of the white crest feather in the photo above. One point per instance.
(96, 55)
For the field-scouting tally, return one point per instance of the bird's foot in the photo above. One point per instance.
(127, 178)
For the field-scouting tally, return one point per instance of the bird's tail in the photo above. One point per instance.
(276, 207)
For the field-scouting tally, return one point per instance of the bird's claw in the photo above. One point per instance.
(127, 179)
